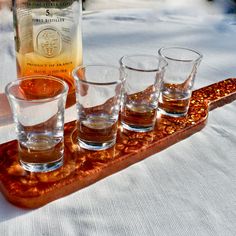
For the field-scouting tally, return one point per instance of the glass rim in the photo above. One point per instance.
(160, 53)
(112, 82)
(35, 77)
(159, 68)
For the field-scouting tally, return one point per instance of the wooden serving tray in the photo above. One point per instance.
(82, 167)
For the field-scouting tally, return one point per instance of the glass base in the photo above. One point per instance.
(172, 114)
(42, 167)
(137, 128)
(94, 146)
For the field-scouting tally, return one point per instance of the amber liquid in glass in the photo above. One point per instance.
(59, 70)
(174, 100)
(138, 115)
(97, 130)
(42, 151)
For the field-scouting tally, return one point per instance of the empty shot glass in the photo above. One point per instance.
(98, 93)
(143, 77)
(38, 104)
(178, 81)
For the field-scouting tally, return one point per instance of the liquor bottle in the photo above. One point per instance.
(48, 39)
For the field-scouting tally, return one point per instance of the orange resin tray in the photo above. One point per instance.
(82, 168)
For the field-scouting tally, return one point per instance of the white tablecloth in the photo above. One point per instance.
(187, 189)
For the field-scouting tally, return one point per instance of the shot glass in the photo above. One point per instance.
(178, 81)
(38, 104)
(98, 93)
(143, 77)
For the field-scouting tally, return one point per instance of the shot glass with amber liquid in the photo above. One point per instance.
(38, 112)
(143, 77)
(176, 89)
(98, 94)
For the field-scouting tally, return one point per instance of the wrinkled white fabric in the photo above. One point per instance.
(187, 189)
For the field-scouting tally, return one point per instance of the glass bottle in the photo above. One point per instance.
(48, 39)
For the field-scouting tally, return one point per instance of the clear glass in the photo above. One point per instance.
(178, 81)
(143, 77)
(38, 104)
(98, 93)
(48, 39)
